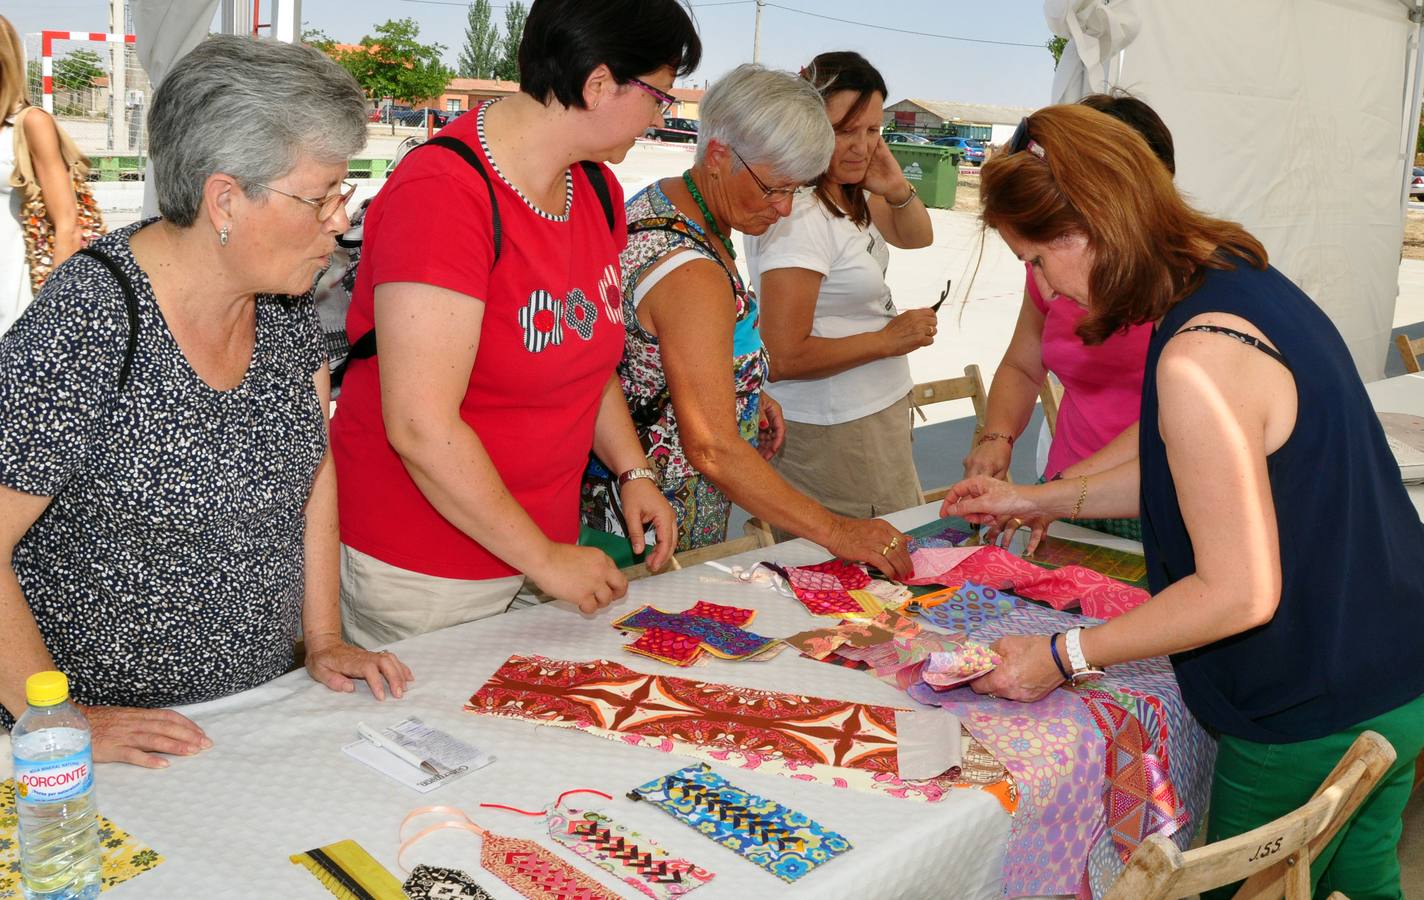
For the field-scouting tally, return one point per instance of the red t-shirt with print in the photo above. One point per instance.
(551, 336)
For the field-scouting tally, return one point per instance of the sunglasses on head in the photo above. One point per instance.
(1022, 141)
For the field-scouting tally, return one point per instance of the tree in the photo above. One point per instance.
(315, 37)
(478, 59)
(508, 66)
(1055, 46)
(78, 71)
(393, 63)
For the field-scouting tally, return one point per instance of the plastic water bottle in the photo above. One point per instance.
(54, 794)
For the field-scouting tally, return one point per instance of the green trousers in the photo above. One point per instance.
(1256, 783)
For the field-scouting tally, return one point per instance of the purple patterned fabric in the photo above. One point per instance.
(971, 606)
(726, 639)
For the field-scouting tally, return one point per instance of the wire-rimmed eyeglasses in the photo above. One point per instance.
(325, 207)
(770, 194)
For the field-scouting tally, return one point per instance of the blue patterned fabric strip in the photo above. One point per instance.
(972, 606)
(728, 640)
(786, 843)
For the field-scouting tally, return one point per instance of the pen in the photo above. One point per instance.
(396, 750)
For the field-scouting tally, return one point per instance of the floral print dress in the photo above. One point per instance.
(656, 229)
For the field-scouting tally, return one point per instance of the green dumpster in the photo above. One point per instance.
(934, 171)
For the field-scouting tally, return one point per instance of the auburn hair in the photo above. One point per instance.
(1098, 177)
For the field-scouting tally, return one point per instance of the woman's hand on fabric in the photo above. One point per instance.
(982, 500)
(337, 664)
(1026, 671)
(643, 506)
(1005, 528)
(873, 541)
(771, 429)
(910, 330)
(883, 176)
(136, 736)
(583, 576)
(991, 458)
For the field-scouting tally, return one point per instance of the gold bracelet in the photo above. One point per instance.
(906, 202)
(1082, 495)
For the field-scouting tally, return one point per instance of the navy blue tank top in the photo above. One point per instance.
(1347, 641)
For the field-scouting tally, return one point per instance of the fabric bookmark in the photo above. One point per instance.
(435, 883)
(681, 638)
(786, 843)
(634, 859)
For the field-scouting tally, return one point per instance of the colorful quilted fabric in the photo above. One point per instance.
(786, 843)
(681, 638)
(834, 742)
(956, 665)
(1141, 799)
(535, 872)
(1100, 596)
(633, 858)
(821, 643)
(121, 855)
(833, 588)
(966, 608)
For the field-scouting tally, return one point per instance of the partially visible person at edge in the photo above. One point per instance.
(169, 517)
(1282, 550)
(1102, 383)
(694, 364)
(462, 444)
(42, 163)
(838, 347)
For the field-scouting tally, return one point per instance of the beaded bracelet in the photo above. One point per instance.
(1082, 495)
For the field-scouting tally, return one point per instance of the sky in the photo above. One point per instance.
(926, 62)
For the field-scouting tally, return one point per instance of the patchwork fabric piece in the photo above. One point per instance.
(834, 742)
(535, 872)
(121, 855)
(957, 665)
(966, 608)
(1186, 752)
(822, 643)
(1141, 799)
(833, 588)
(1100, 596)
(933, 564)
(1055, 553)
(901, 660)
(634, 859)
(786, 843)
(681, 638)
(435, 883)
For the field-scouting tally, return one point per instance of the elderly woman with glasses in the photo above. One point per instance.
(167, 497)
(693, 363)
(838, 346)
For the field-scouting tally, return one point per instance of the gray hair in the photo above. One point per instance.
(769, 117)
(248, 107)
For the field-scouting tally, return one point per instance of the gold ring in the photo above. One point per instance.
(894, 542)
(885, 551)
(1016, 522)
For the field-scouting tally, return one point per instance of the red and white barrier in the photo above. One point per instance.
(47, 39)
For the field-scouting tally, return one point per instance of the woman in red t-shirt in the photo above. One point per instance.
(460, 447)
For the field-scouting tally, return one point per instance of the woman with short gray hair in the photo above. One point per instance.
(167, 497)
(708, 429)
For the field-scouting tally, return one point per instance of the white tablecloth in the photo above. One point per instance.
(1401, 394)
(276, 781)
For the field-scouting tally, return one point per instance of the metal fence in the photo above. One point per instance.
(97, 91)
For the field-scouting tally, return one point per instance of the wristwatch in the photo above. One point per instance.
(1082, 671)
(640, 472)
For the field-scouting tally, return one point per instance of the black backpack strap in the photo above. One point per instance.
(594, 172)
(130, 305)
(364, 347)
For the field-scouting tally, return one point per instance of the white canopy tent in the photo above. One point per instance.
(1296, 118)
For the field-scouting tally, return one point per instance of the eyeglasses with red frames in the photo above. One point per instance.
(665, 100)
(325, 207)
(770, 194)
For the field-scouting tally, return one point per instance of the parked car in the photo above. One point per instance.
(675, 131)
(904, 137)
(970, 150)
(416, 117)
(385, 113)
(1416, 186)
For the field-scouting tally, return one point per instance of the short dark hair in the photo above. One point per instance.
(565, 40)
(1144, 120)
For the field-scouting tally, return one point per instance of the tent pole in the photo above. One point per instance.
(1411, 125)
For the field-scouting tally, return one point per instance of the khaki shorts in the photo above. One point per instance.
(382, 604)
(860, 468)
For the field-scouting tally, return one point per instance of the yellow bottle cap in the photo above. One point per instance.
(46, 689)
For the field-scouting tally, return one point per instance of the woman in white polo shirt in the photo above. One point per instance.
(836, 343)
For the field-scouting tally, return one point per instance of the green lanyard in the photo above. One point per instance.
(702, 205)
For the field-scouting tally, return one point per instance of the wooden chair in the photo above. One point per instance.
(1275, 858)
(760, 530)
(969, 386)
(1050, 395)
(1409, 351)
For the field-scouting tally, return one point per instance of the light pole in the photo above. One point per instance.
(756, 33)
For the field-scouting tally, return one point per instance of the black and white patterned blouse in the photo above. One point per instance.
(168, 568)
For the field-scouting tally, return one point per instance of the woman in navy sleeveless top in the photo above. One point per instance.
(1285, 558)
